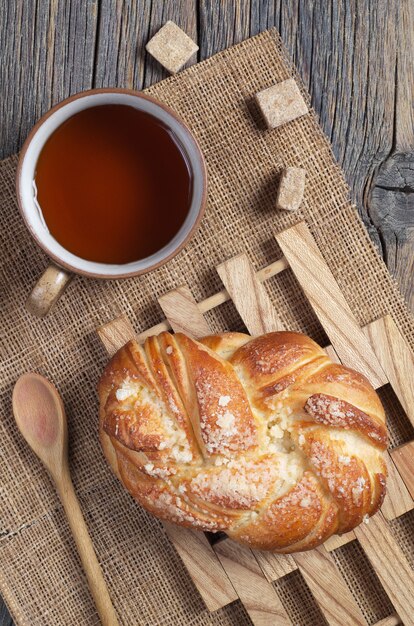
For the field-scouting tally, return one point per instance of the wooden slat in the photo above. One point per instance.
(275, 566)
(396, 360)
(218, 298)
(403, 458)
(391, 620)
(203, 565)
(328, 302)
(249, 295)
(337, 541)
(195, 551)
(182, 312)
(268, 606)
(116, 334)
(47, 50)
(258, 596)
(328, 588)
(254, 307)
(390, 564)
(398, 499)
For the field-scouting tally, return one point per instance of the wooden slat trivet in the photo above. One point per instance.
(225, 571)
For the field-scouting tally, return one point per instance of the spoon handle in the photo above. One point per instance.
(96, 581)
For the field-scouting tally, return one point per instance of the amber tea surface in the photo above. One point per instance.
(113, 184)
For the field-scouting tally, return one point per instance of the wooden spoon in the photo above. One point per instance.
(40, 416)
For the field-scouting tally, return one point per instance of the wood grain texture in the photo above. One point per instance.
(396, 360)
(403, 458)
(218, 298)
(353, 56)
(391, 620)
(390, 564)
(328, 302)
(398, 499)
(47, 51)
(124, 29)
(209, 576)
(259, 597)
(336, 541)
(183, 314)
(249, 295)
(275, 566)
(333, 596)
(5, 619)
(115, 334)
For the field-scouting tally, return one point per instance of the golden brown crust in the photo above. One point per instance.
(337, 413)
(265, 438)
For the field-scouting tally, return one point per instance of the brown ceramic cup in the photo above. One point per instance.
(64, 264)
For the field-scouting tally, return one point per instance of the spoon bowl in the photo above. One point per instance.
(40, 416)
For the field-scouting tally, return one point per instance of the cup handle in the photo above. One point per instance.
(47, 290)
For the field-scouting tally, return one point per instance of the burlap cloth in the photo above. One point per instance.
(40, 575)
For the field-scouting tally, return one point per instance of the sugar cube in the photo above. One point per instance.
(172, 47)
(291, 189)
(281, 103)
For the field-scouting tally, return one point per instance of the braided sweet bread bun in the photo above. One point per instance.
(263, 438)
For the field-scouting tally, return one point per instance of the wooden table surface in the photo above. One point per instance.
(355, 56)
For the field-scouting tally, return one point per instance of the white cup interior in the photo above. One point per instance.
(31, 209)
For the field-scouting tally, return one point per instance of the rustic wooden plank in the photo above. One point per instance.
(5, 619)
(249, 295)
(195, 551)
(396, 358)
(328, 588)
(360, 87)
(328, 302)
(258, 596)
(391, 202)
(47, 53)
(319, 569)
(362, 92)
(182, 312)
(403, 457)
(222, 24)
(390, 564)
(125, 28)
